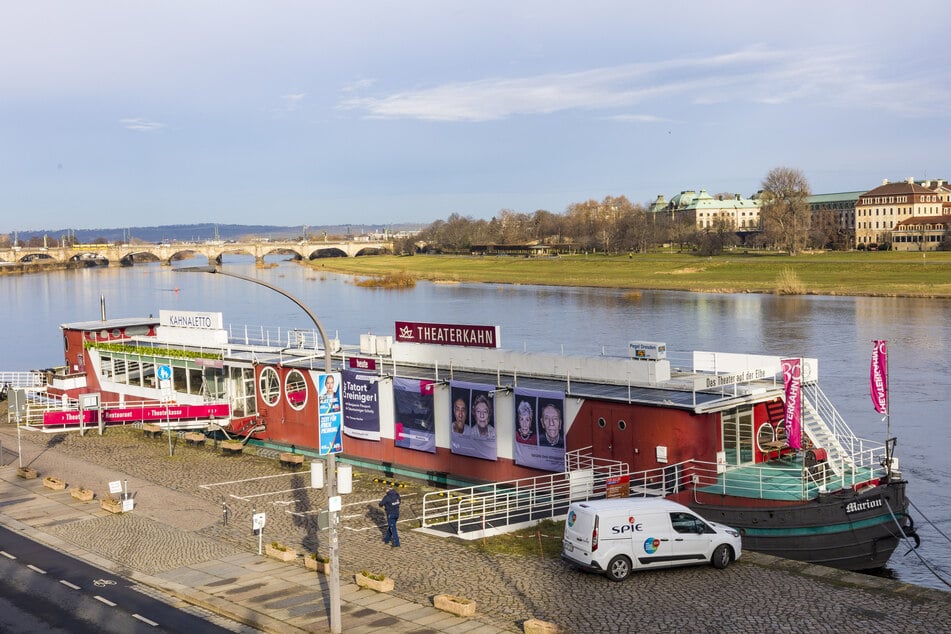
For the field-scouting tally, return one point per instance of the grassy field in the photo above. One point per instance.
(834, 273)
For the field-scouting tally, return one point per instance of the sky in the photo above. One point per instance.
(118, 113)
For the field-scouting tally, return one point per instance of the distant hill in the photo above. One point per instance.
(211, 231)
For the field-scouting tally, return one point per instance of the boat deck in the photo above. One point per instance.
(783, 479)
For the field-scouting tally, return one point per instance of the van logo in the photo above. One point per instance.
(630, 527)
(572, 516)
(651, 544)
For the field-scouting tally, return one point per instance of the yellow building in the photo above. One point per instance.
(879, 211)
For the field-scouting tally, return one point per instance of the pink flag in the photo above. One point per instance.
(878, 377)
(792, 384)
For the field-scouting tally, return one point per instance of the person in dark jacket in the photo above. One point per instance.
(391, 504)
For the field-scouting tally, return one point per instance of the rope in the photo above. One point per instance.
(915, 548)
(933, 525)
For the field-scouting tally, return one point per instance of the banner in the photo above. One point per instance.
(792, 386)
(330, 412)
(539, 429)
(878, 377)
(472, 420)
(413, 402)
(138, 414)
(361, 405)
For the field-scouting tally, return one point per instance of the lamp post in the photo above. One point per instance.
(334, 581)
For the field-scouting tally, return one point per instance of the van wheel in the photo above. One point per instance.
(619, 568)
(722, 556)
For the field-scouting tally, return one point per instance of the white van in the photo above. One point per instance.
(616, 536)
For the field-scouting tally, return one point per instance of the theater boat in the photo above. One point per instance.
(446, 403)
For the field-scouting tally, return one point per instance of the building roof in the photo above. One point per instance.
(825, 199)
(891, 189)
(915, 221)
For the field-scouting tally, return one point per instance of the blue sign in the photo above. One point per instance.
(330, 413)
(164, 372)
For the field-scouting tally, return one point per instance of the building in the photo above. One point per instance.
(703, 210)
(879, 211)
(842, 205)
(921, 233)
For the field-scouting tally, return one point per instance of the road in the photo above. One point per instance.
(42, 590)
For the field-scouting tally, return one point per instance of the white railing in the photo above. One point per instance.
(20, 380)
(37, 406)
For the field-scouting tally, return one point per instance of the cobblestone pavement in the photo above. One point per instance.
(177, 540)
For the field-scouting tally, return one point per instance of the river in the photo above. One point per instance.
(838, 331)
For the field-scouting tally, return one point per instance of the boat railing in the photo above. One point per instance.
(301, 338)
(33, 416)
(861, 452)
(31, 379)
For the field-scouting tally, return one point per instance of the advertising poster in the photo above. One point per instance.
(539, 429)
(330, 411)
(472, 420)
(361, 402)
(415, 418)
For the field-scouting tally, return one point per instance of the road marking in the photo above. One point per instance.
(104, 600)
(145, 620)
(6, 554)
(68, 584)
(35, 569)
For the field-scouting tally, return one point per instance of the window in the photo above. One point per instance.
(686, 523)
(270, 386)
(296, 389)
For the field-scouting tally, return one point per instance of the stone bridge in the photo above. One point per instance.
(128, 254)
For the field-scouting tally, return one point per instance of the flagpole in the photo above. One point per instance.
(888, 421)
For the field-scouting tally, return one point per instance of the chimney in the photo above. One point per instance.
(910, 180)
(884, 181)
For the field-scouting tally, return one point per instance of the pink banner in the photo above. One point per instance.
(138, 414)
(878, 377)
(792, 385)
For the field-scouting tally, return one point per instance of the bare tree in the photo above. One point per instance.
(785, 213)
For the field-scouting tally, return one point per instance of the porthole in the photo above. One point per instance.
(602, 422)
(764, 434)
(270, 386)
(621, 425)
(296, 389)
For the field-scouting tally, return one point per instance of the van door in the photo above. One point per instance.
(692, 537)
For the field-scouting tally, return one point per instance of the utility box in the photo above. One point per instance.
(648, 350)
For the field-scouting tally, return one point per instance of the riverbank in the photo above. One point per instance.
(882, 274)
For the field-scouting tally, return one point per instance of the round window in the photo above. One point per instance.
(621, 425)
(296, 389)
(764, 434)
(602, 423)
(270, 386)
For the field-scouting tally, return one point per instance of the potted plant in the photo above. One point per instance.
(27, 473)
(537, 626)
(279, 551)
(81, 493)
(318, 563)
(454, 605)
(374, 581)
(54, 483)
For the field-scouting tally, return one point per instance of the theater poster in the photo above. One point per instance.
(415, 418)
(539, 429)
(361, 405)
(472, 420)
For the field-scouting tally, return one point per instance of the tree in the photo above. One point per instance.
(785, 213)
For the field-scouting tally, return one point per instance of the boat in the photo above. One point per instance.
(716, 431)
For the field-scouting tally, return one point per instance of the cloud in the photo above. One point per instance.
(755, 75)
(141, 125)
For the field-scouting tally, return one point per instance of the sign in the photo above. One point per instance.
(362, 363)
(115, 487)
(618, 487)
(448, 334)
(330, 411)
(164, 372)
(334, 504)
(127, 505)
(191, 319)
(257, 522)
(878, 376)
(135, 414)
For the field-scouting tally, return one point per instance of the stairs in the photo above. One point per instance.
(837, 458)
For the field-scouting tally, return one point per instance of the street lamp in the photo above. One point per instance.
(334, 581)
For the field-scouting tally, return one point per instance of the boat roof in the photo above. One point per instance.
(109, 324)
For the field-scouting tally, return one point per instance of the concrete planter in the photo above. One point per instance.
(291, 460)
(288, 554)
(27, 473)
(379, 585)
(111, 504)
(535, 626)
(322, 567)
(81, 494)
(54, 483)
(229, 447)
(454, 605)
